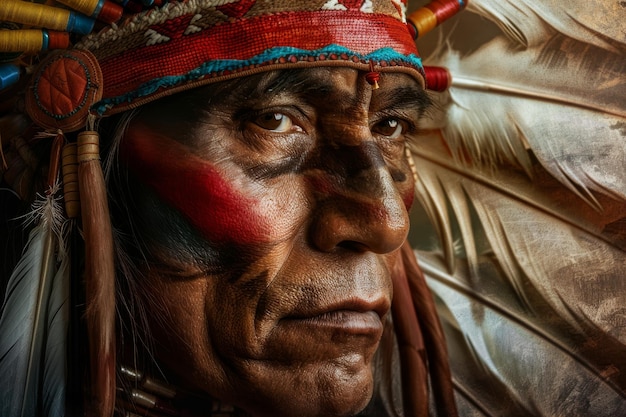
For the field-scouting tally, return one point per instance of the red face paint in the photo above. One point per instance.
(194, 187)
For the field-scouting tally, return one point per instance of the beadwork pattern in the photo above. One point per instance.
(187, 44)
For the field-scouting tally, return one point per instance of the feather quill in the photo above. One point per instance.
(522, 176)
(58, 316)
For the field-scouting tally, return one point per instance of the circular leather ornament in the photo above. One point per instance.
(63, 88)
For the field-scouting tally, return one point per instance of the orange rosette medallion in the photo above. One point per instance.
(63, 88)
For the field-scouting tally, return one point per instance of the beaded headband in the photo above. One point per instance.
(224, 39)
(185, 44)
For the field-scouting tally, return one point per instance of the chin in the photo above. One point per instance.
(331, 390)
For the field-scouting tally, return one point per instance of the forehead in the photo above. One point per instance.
(322, 80)
(310, 84)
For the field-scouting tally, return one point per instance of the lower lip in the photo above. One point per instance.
(343, 322)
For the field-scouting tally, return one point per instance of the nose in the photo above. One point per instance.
(359, 205)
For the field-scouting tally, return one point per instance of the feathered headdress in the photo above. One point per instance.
(66, 65)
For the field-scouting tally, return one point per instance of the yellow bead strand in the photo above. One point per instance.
(34, 14)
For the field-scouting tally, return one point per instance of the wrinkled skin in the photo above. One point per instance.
(298, 194)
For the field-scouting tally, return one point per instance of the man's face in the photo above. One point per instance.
(295, 189)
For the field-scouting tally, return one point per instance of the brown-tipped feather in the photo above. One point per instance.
(432, 333)
(99, 276)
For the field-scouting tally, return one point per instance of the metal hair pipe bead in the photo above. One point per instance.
(143, 399)
(40, 15)
(131, 373)
(425, 19)
(151, 402)
(159, 388)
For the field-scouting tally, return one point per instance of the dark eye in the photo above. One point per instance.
(276, 122)
(392, 128)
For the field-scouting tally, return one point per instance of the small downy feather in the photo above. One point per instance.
(34, 324)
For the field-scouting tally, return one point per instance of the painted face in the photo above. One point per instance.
(297, 186)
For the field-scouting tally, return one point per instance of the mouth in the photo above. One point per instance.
(329, 336)
(330, 326)
(343, 322)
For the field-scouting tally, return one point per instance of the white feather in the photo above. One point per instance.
(522, 174)
(530, 22)
(58, 311)
(516, 356)
(561, 99)
(30, 298)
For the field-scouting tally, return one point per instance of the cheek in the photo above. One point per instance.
(219, 211)
(178, 321)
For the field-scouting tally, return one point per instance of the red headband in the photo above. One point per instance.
(186, 44)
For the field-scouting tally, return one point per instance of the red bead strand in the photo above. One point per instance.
(437, 78)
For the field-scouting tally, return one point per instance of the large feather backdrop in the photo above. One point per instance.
(520, 224)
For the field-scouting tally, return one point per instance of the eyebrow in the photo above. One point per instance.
(301, 83)
(316, 87)
(407, 96)
(313, 86)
